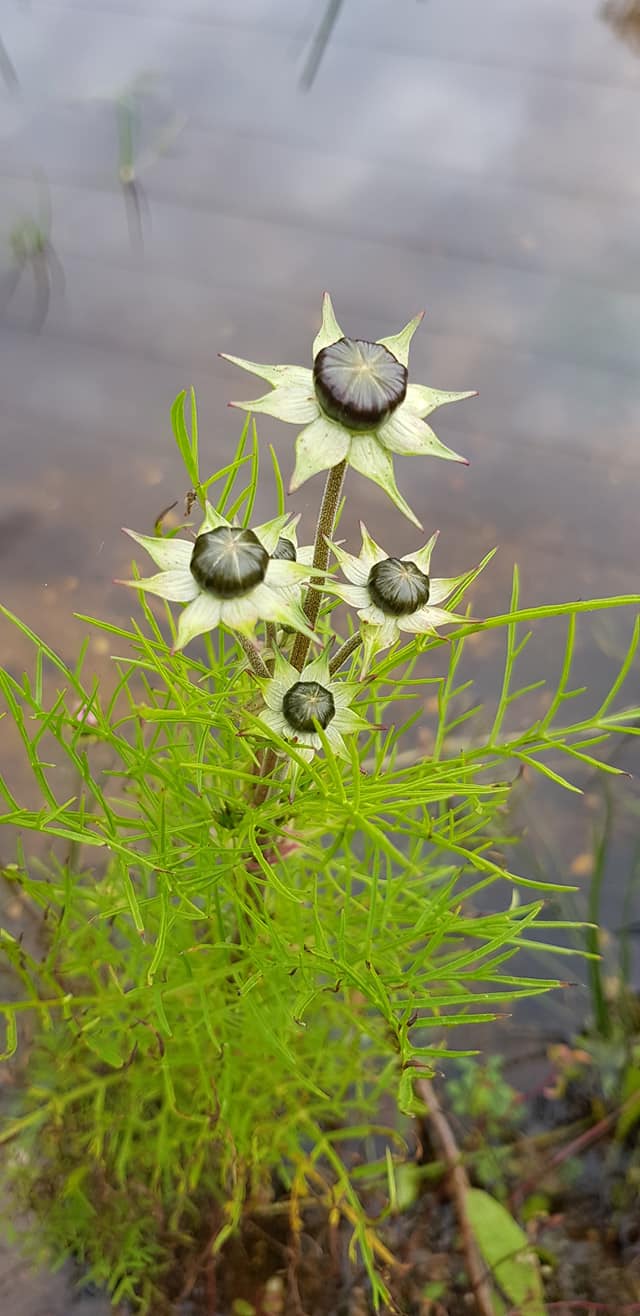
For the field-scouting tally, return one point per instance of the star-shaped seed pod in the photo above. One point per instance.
(296, 703)
(393, 594)
(230, 576)
(356, 405)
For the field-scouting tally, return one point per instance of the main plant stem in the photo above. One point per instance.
(324, 531)
(259, 667)
(267, 764)
(325, 527)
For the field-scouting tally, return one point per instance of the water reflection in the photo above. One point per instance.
(319, 43)
(134, 158)
(33, 258)
(7, 71)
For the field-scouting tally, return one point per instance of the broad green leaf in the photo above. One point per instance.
(507, 1252)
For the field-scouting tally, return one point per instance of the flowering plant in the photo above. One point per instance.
(262, 906)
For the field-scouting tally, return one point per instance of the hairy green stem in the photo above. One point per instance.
(257, 665)
(325, 527)
(271, 644)
(345, 651)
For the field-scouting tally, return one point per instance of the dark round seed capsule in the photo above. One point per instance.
(358, 384)
(286, 550)
(228, 561)
(398, 587)
(306, 703)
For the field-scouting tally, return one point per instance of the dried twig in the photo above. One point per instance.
(593, 1134)
(459, 1187)
(584, 1308)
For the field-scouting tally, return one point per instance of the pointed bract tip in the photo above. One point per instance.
(420, 316)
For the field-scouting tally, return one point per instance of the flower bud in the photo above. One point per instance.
(306, 703)
(398, 586)
(358, 384)
(228, 561)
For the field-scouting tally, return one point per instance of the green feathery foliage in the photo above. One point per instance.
(233, 975)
